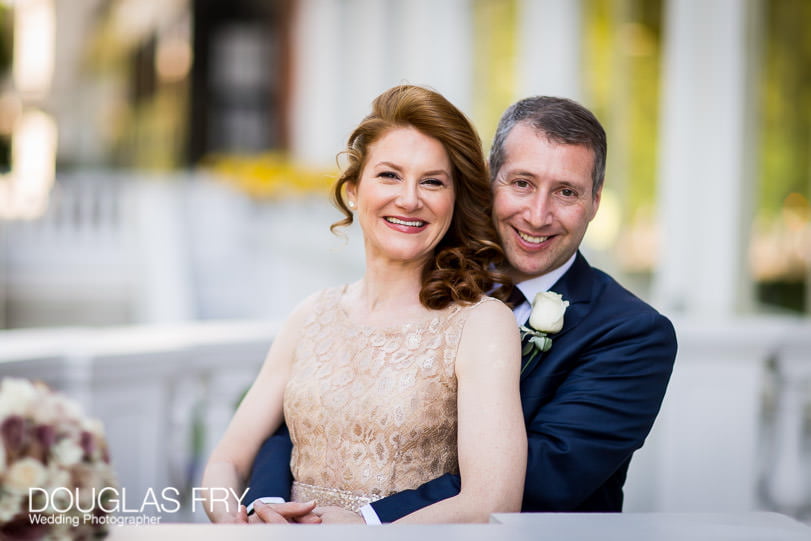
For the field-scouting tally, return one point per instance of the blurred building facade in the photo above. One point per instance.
(706, 123)
(165, 161)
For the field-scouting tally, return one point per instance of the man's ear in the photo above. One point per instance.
(596, 199)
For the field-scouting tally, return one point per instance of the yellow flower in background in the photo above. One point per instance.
(269, 176)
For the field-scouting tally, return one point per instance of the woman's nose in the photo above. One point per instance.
(408, 197)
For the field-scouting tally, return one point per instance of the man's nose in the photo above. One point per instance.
(539, 211)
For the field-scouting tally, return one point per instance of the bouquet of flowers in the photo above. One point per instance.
(54, 465)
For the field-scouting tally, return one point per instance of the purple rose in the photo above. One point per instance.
(45, 435)
(13, 432)
(88, 444)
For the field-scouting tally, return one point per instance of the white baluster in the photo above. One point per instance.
(787, 483)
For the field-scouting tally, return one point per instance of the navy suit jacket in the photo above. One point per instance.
(589, 402)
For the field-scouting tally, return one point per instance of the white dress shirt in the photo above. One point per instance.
(536, 285)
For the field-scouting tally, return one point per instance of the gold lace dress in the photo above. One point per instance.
(371, 411)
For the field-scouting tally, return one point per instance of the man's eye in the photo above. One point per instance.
(566, 192)
(521, 183)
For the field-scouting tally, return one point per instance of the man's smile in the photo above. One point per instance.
(532, 239)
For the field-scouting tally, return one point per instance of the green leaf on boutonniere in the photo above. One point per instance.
(535, 342)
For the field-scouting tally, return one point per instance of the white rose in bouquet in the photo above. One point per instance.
(23, 474)
(17, 396)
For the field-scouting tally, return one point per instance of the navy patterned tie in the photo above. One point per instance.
(516, 298)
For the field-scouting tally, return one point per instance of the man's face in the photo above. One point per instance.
(543, 201)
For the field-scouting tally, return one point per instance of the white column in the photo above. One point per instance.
(434, 43)
(707, 155)
(164, 289)
(346, 52)
(368, 43)
(318, 34)
(549, 48)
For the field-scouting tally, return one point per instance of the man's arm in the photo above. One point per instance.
(271, 474)
(588, 428)
(403, 503)
(601, 413)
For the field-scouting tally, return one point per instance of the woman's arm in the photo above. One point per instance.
(259, 414)
(492, 441)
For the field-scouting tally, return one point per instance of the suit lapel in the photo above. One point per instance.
(574, 286)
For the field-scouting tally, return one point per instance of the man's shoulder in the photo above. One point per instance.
(616, 315)
(610, 296)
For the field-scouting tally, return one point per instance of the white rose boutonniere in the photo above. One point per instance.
(548, 309)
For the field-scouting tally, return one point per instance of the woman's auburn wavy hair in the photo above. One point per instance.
(468, 261)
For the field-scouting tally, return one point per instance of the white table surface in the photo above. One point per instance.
(758, 526)
(658, 526)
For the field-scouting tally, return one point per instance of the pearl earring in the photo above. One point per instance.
(351, 204)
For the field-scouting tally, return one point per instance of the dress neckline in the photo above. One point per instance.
(390, 329)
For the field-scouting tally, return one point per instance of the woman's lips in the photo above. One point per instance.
(405, 224)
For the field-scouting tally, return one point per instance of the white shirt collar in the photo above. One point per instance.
(533, 286)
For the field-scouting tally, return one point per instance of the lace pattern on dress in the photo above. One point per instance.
(372, 411)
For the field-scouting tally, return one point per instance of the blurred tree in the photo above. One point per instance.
(621, 80)
(5, 40)
(781, 249)
(495, 51)
(786, 103)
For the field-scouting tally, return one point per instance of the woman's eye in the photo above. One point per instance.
(433, 182)
(387, 174)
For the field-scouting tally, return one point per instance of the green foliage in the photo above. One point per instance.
(495, 28)
(5, 39)
(785, 164)
(622, 57)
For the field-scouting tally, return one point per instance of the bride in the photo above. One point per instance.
(412, 371)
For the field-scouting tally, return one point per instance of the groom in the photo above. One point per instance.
(590, 400)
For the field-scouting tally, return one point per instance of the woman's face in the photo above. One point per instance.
(404, 197)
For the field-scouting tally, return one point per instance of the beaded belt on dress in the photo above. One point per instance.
(302, 492)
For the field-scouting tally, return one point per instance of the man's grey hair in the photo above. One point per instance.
(562, 121)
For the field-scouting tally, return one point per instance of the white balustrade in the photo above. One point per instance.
(144, 384)
(116, 248)
(153, 386)
(789, 485)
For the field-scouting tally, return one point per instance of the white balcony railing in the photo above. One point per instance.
(732, 435)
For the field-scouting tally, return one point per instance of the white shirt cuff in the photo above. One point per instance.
(369, 515)
(266, 499)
